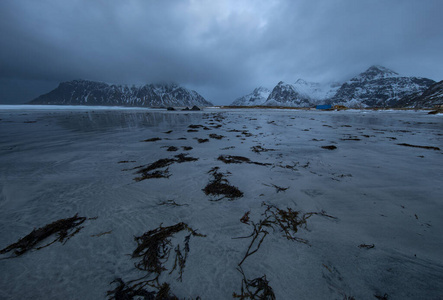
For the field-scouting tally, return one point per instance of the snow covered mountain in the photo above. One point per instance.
(375, 72)
(315, 91)
(84, 92)
(378, 87)
(257, 97)
(427, 99)
(285, 94)
(300, 94)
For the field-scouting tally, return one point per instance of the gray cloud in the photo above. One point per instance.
(222, 49)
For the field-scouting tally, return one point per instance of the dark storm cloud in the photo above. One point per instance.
(223, 49)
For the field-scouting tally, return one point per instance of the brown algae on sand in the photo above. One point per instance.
(64, 229)
(220, 186)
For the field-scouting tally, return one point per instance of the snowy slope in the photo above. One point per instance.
(84, 92)
(375, 72)
(378, 87)
(299, 94)
(315, 91)
(429, 98)
(285, 94)
(257, 97)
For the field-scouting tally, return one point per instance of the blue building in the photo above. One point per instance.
(326, 106)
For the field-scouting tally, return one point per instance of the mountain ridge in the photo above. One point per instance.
(377, 86)
(87, 92)
(429, 98)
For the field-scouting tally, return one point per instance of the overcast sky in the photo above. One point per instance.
(221, 49)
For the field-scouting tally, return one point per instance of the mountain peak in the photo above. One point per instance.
(301, 81)
(166, 84)
(378, 87)
(375, 72)
(260, 89)
(380, 69)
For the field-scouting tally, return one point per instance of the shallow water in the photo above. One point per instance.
(56, 163)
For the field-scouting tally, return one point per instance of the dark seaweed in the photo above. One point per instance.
(220, 186)
(161, 163)
(258, 236)
(257, 288)
(216, 136)
(152, 140)
(278, 189)
(171, 203)
(286, 221)
(146, 172)
(330, 147)
(195, 126)
(366, 246)
(233, 159)
(172, 149)
(202, 140)
(153, 251)
(245, 218)
(154, 174)
(63, 228)
(384, 297)
(259, 149)
(153, 247)
(126, 161)
(181, 158)
(127, 292)
(101, 233)
(417, 146)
